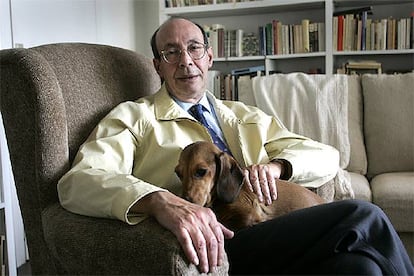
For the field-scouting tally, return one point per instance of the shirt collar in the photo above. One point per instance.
(186, 106)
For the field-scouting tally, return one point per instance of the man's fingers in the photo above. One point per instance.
(203, 242)
(264, 183)
(272, 185)
(213, 252)
(254, 179)
(201, 248)
(246, 174)
(187, 244)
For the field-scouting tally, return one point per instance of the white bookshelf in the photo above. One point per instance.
(249, 15)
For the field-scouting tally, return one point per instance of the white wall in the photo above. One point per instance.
(38, 22)
(123, 23)
(147, 21)
(5, 25)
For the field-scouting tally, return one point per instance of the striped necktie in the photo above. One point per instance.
(197, 112)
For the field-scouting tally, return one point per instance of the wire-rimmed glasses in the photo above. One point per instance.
(195, 50)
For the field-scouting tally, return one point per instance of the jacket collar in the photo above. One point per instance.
(167, 109)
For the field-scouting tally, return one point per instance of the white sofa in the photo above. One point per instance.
(368, 118)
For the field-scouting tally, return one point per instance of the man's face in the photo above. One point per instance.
(187, 78)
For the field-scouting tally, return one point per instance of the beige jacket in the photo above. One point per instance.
(133, 152)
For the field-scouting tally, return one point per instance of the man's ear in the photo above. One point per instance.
(210, 55)
(157, 64)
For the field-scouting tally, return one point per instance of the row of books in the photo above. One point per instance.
(277, 38)
(226, 43)
(274, 38)
(357, 32)
(187, 3)
(226, 86)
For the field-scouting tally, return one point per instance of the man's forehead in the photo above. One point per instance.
(177, 31)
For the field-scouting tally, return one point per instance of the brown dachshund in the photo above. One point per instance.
(213, 179)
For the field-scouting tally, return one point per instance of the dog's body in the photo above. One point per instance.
(212, 178)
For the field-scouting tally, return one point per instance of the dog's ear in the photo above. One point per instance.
(229, 178)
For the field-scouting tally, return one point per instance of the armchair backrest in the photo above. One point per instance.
(52, 96)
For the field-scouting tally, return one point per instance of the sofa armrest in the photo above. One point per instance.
(86, 245)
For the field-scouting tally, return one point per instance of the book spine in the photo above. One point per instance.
(269, 39)
(305, 36)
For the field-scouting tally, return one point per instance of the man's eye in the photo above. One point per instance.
(172, 52)
(195, 47)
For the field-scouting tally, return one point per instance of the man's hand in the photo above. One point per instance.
(196, 228)
(261, 179)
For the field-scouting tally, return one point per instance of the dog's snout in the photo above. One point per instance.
(189, 199)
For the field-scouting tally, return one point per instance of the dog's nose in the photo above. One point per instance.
(189, 199)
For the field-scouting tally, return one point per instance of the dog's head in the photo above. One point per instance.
(208, 173)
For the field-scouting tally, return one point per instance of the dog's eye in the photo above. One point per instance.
(200, 172)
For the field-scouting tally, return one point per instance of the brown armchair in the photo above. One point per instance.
(51, 98)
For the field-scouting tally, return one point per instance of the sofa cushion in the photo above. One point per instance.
(394, 193)
(388, 122)
(360, 186)
(358, 156)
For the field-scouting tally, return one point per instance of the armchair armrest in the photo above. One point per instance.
(75, 240)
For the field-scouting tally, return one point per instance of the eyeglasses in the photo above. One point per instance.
(196, 51)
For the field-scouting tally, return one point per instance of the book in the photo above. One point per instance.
(239, 43)
(212, 79)
(269, 38)
(305, 36)
(335, 33)
(275, 36)
(412, 30)
(245, 90)
(363, 66)
(321, 36)
(247, 70)
(262, 41)
(364, 18)
(340, 40)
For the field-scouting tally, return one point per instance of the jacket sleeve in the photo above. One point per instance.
(100, 182)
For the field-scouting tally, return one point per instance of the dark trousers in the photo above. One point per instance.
(343, 237)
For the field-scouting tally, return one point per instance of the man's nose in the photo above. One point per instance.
(185, 59)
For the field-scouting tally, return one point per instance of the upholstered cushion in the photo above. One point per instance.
(408, 240)
(358, 156)
(361, 186)
(389, 122)
(394, 193)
